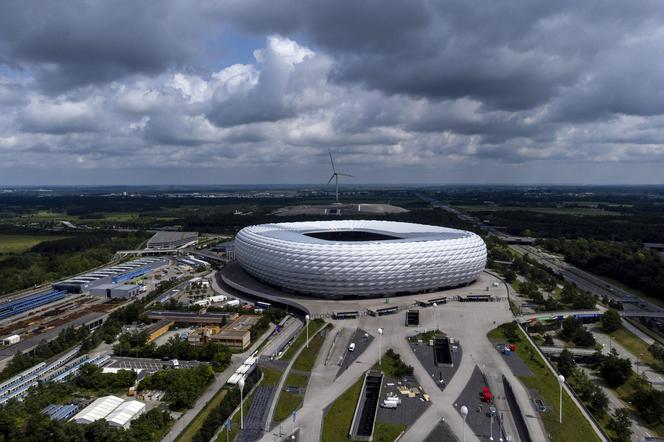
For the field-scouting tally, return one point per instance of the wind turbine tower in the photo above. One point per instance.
(335, 176)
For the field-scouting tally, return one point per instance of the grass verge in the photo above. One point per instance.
(235, 421)
(301, 338)
(574, 426)
(387, 432)
(307, 358)
(195, 425)
(339, 417)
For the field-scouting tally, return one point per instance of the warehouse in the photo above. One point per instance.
(114, 291)
(99, 409)
(172, 240)
(159, 328)
(125, 413)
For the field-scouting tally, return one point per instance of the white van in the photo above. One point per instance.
(351, 347)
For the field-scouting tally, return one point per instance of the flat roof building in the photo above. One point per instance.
(192, 317)
(115, 290)
(172, 240)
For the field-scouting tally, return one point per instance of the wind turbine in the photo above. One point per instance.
(335, 176)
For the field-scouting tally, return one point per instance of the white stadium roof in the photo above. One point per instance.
(360, 258)
(99, 409)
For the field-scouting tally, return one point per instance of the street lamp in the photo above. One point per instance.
(561, 381)
(241, 385)
(435, 314)
(306, 318)
(380, 345)
(491, 436)
(464, 414)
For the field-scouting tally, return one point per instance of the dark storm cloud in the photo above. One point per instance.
(509, 55)
(83, 42)
(423, 85)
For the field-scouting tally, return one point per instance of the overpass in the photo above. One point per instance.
(559, 315)
(574, 350)
(641, 314)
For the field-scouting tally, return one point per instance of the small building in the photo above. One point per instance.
(237, 334)
(159, 328)
(172, 240)
(125, 413)
(99, 409)
(113, 291)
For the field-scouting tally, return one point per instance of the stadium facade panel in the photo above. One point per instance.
(360, 258)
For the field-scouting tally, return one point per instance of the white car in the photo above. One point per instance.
(351, 347)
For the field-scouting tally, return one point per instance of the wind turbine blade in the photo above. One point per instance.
(345, 174)
(331, 178)
(332, 161)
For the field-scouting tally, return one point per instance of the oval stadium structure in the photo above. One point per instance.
(350, 259)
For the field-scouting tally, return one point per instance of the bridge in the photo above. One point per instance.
(641, 314)
(559, 315)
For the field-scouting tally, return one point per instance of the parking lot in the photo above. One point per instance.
(149, 365)
(412, 405)
(362, 340)
(442, 373)
(479, 412)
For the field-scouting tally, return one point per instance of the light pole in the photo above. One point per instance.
(491, 434)
(306, 318)
(380, 345)
(464, 413)
(241, 385)
(435, 314)
(561, 381)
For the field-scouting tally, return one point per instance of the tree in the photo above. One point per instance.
(657, 351)
(649, 404)
(599, 402)
(566, 363)
(611, 321)
(510, 330)
(615, 370)
(621, 425)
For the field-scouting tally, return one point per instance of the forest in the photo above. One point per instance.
(60, 258)
(626, 262)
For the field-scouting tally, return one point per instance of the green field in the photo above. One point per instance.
(301, 338)
(307, 358)
(21, 243)
(579, 211)
(339, 417)
(575, 426)
(635, 345)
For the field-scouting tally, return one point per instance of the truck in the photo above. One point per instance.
(175, 363)
(233, 303)
(389, 404)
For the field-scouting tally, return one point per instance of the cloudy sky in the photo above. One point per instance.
(245, 91)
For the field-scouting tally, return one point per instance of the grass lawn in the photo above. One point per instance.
(21, 243)
(289, 402)
(634, 345)
(270, 376)
(652, 333)
(339, 417)
(301, 338)
(192, 429)
(387, 432)
(307, 358)
(575, 426)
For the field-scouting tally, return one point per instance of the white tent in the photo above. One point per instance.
(125, 413)
(99, 409)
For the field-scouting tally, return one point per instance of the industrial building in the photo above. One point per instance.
(110, 275)
(113, 291)
(359, 258)
(172, 240)
(159, 328)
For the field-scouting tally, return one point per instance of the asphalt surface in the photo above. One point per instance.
(149, 365)
(441, 374)
(477, 418)
(362, 341)
(410, 409)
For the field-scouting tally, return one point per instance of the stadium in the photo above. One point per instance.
(349, 259)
